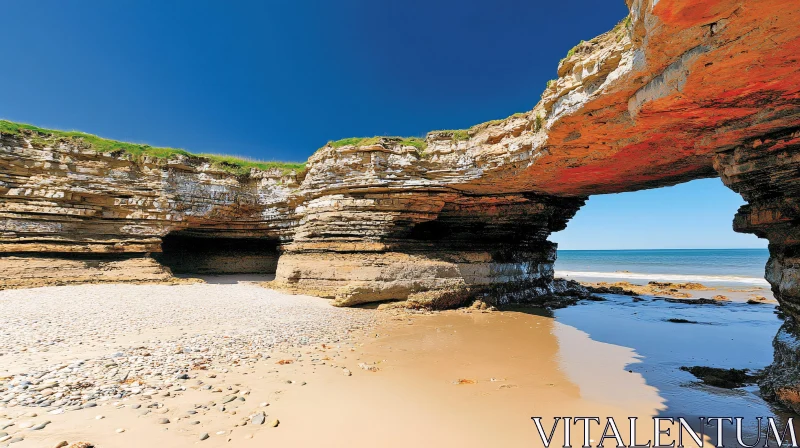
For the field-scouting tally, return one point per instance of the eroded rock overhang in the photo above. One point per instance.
(658, 100)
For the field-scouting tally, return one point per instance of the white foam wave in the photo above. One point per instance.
(664, 277)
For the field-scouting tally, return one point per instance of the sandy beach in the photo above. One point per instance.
(231, 363)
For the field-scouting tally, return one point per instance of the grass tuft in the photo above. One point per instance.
(457, 135)
(416, 142)
(234, 165)
(538, 123)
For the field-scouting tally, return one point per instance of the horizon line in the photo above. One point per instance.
(684, 248)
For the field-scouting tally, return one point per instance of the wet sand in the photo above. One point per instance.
(357, 378)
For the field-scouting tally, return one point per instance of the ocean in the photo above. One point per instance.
(719, 267)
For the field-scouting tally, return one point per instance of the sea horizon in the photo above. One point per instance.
(729, 266)
(683, 248)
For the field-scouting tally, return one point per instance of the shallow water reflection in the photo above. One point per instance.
(734, 335)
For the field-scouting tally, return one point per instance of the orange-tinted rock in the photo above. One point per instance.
(682, 89)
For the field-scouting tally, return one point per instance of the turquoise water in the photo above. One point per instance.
(723, 266)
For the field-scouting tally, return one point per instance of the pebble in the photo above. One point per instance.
(61, 444)
(100, 417)
(204, 436)
(258, 418)
(347, 372)
(120, 430)
(274, 423)
(40, 426)
(163, 421)
(26, 425)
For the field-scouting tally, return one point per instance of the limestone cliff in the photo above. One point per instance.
(92, 210)
(679, 90)
(650, 103)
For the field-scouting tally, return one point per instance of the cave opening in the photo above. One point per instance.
(213, 254)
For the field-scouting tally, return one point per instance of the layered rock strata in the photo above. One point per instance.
(765, 171)
(100, 212)
(658, 100)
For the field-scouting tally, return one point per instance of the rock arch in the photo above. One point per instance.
(679, 90)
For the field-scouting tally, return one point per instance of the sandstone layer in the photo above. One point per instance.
(679, 90)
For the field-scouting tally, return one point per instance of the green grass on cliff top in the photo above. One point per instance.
(416, 142)
(234, 165)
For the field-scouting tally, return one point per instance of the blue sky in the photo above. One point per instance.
(694, 215)
(275, 80)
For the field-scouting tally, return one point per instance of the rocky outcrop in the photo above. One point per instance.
(101, 210)
(781, 379)
(765, 171)
(673, 93)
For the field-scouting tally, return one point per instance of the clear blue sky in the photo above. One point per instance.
(274, 80)
(694, 215)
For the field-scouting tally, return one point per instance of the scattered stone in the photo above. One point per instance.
(368, 367)
(258, 418)
(347, 372)
(204, 436)
(678, 320)
(120, 430)
(139, 377)
(163, 421)
(274, 423)
(40, 426)
(61, 444)
(700, 301)
(725, 378)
